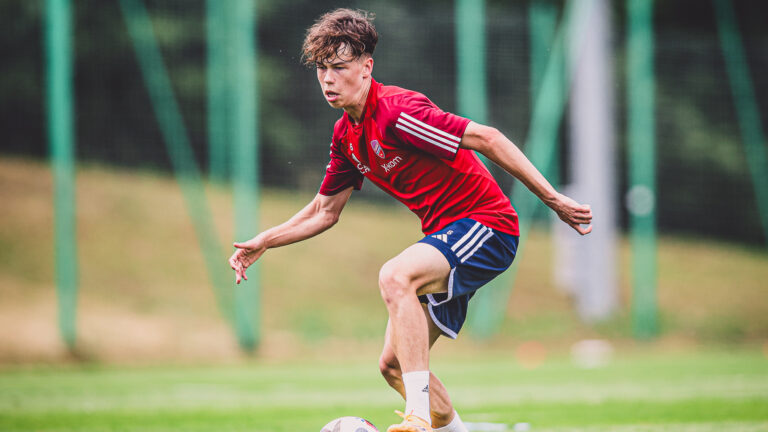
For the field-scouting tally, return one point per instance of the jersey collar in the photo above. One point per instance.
(371, 101)
(355, 132)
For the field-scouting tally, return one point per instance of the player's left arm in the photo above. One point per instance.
(498, 148)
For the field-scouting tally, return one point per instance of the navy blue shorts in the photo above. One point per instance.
(477, 254)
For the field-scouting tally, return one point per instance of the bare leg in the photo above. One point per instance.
(441, 408)
(417, 270)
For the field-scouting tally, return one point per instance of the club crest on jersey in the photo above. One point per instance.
(376, 147)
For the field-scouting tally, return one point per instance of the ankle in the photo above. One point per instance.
(417, 394)
(455, 425)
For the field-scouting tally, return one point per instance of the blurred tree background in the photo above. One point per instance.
(704, 185)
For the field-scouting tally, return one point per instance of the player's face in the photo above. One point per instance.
(343, 81)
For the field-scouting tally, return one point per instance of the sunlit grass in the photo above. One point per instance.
(701, 391)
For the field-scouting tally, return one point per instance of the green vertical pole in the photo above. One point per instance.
(58, 52)
(182, 158)
(542, 23)
(218, 86)
(540, 147)
(472, 88)
(244, 158)
(641, 197)
(472, 98)
(743, 91)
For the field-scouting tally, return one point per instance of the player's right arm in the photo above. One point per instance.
(498, 148)
(319, 215)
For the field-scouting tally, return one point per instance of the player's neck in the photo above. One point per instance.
(355, 111)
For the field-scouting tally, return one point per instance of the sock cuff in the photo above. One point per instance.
(456, 425)
(416, 374)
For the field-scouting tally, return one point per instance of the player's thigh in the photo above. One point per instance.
(421, 266)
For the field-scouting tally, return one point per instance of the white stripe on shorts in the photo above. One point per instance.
(466, 236)
(450, 333)
(431, 297)
(487, 236)
(472, 242)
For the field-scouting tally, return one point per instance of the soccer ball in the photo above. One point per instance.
(349, 424)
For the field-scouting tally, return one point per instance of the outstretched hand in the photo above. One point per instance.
(574, 214)
(246, 254)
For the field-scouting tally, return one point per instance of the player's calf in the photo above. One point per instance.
(391, 372)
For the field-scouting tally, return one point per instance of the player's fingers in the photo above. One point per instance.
(582, 219)
(578, 228)
(585, 231)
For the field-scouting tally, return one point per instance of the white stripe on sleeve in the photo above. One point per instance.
(415, 126)
(428, 133)
(418, 135)
(432, 128)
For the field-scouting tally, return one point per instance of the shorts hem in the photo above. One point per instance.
(446, 331)
(431, 297)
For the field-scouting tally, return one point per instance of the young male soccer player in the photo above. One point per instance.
(425, 158)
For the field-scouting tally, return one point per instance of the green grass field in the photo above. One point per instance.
(704, 391)
(144, 299)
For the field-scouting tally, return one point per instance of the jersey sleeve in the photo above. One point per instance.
(420, 123)
(339, 174)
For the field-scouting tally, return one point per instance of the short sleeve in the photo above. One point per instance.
(422, 124)
(339, 174)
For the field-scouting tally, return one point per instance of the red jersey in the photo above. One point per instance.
(409, 148)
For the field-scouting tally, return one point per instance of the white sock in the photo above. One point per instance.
(417, 394)
(456, 425)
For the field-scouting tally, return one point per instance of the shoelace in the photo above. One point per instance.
(412, 418)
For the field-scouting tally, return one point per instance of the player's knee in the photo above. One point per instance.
(392, 284)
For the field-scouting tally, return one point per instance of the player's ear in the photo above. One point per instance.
(367, 66)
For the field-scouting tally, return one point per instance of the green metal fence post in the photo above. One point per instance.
(182, 158)
(218, 86)
(244, 158)
(542, 23)
(540, 148)
(58, 52)
(743, 91)
(472, 89)
(472, 97)
(641, 198)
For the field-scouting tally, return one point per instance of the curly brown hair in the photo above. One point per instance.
(346, 30)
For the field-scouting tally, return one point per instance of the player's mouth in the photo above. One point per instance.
(331, 96)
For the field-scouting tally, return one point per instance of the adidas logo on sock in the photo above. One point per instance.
(425, 389)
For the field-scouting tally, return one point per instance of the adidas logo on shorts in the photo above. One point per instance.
(443, 237)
